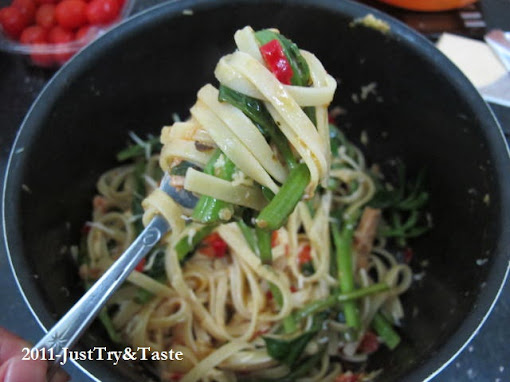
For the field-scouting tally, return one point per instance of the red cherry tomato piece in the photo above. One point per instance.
(102, 11)
(59, 35)
(34, 34)
(45, 16)
(71, 13)
(27, 9)
(13, 22)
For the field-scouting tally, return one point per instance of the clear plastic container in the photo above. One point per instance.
(42, 54)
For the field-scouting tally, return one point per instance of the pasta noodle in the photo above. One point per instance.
(209, 288)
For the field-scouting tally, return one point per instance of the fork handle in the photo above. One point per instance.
(71, 326)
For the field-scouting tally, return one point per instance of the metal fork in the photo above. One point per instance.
(64, 334)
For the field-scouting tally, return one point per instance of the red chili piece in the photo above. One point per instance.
(213, 246)
(139, 267)
(305, 255)
(274, 238)
(176, 376)
(408, 255)
(275, 58)
(348, 377)
(369, 343)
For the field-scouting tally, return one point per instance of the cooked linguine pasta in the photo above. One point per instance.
(282, 270)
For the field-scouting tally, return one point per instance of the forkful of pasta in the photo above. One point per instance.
(252, 148)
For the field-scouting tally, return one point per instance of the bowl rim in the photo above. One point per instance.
(490, 127)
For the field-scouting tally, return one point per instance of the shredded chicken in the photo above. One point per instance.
(365, 235)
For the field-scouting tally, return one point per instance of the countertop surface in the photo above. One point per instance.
(486, 358)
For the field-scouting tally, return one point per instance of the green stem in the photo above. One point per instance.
(273, 216)
(208, 208)
(249, 236)
(137, 150)
(185, 245)
(384, 330)
(331, 301)
(264, 245)
(343, 244)
(258, 114)
(108, 325)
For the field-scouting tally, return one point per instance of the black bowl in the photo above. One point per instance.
(151, 66)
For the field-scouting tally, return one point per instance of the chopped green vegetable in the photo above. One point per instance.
(264, 245)
(186, 244)
(133, 151)
(300, 370)
(289, 351)
(402, 206)
(307, 268)
(208, 209)
(268, 194)
(108, 325)
(343, 244)
(384, 330)
(334, 299)
(249, 235)
(338, 139)
(258, 114)
(274, 215)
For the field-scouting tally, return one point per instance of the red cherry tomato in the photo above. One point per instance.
(85, 34)
(27, 9)
(34, 34)
(82, 32)
(71, 13)
(102, 11)
(45, 16)
(13, 22)
(46, 1)
(42, 59)
(58, 35)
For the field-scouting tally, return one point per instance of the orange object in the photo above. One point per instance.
(429, 5)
